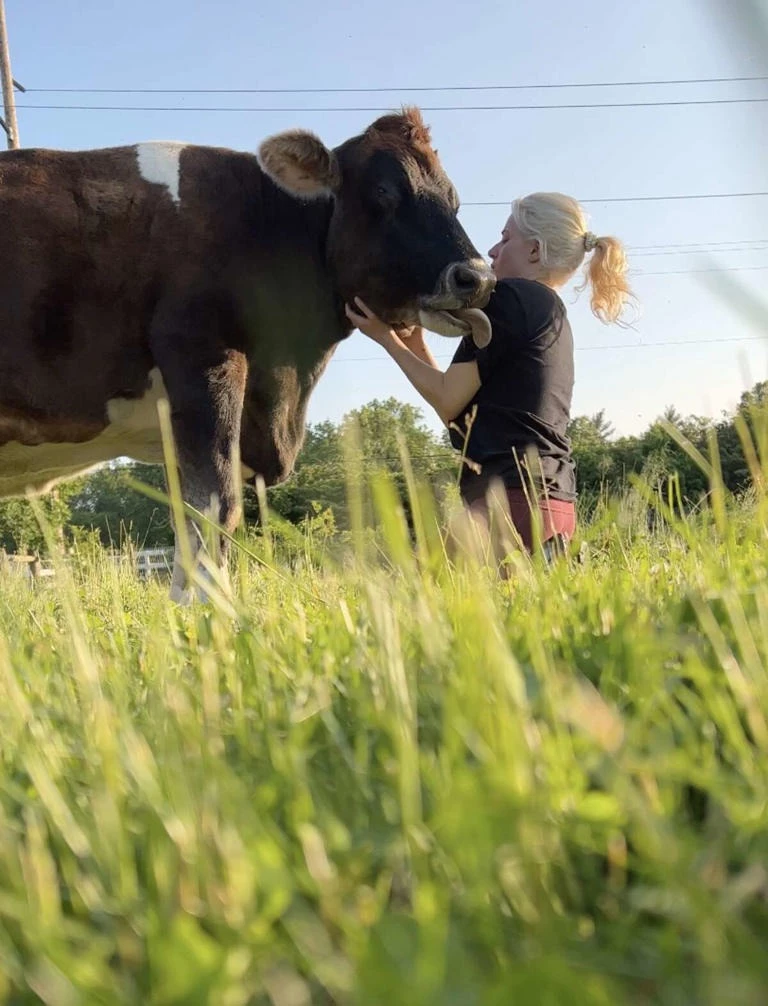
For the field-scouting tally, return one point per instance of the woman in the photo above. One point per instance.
(508, 405)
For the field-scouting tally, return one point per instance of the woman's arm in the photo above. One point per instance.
(447, 392)
(417, 345)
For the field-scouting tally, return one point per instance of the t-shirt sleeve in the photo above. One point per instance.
(509, 328)
(465, 352)
(519, 311)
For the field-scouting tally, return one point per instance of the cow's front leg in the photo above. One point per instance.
(206, 409)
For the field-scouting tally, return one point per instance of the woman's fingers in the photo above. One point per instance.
(362, 315)
(354, 317)
(367, 322)
(367, 312)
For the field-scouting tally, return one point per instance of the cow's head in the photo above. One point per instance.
(394, 238)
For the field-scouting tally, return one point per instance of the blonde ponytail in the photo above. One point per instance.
(559, 224)
(606, 274)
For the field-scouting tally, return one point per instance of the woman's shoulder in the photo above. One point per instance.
(529, 291)
(524, 299)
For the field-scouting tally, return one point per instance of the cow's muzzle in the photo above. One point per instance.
(470, 282)
(454, 308)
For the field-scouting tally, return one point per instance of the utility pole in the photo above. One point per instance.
(9, 123)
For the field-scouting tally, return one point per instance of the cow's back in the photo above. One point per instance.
(101, 249)
(76, 282)
(92, 241)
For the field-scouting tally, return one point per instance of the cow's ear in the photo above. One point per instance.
(300, 163)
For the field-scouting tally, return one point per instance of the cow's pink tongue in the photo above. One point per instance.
(478, 322)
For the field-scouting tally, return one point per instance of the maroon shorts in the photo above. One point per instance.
(558, 517)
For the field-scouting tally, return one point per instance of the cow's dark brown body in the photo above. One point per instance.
(163, 270)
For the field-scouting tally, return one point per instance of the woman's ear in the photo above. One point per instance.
(534, 255)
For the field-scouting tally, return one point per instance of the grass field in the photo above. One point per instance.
(389, 779)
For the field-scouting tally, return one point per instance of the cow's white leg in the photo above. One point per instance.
(179, 593)
(182, 592)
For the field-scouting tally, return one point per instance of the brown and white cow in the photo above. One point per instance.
(215, 279)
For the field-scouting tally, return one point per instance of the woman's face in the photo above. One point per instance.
(514, 256)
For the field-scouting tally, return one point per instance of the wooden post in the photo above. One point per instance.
(10, 124)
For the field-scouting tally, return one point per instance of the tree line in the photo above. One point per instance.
(377, 436)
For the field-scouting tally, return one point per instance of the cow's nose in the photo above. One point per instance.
(473, 283)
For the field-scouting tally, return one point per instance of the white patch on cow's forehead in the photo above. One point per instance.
(159, 164)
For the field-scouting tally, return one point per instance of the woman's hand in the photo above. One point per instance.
(448, 393)
(414, 335)
(372, 326)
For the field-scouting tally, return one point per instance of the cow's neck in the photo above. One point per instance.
(295, 312)
(294, 320)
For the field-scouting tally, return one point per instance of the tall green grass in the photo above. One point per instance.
(379, 774)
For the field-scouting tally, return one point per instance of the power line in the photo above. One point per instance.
(484, 202)
(497, 202)
(697, 244)
(706, 245)
(637, 199)
(701, 251)
(672, 342)
(379, 108)
(390, 90)
(689, 272)
(589, 349)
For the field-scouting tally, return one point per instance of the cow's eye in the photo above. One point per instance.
(386, 194)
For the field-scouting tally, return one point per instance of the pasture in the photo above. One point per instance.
(378, 776)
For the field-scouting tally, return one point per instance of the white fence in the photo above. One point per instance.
(147, 562)
(30, 567)
(154, 560)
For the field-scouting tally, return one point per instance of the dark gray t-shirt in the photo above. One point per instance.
(524, 402)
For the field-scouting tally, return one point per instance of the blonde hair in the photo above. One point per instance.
(559, 224)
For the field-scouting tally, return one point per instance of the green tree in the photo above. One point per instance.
(592, 453)
(105, 502)
(319, 481)
(20, 529)
(656, 455)
(383, 424)
(752, 416)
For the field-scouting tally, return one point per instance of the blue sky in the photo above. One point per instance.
(491, 155)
